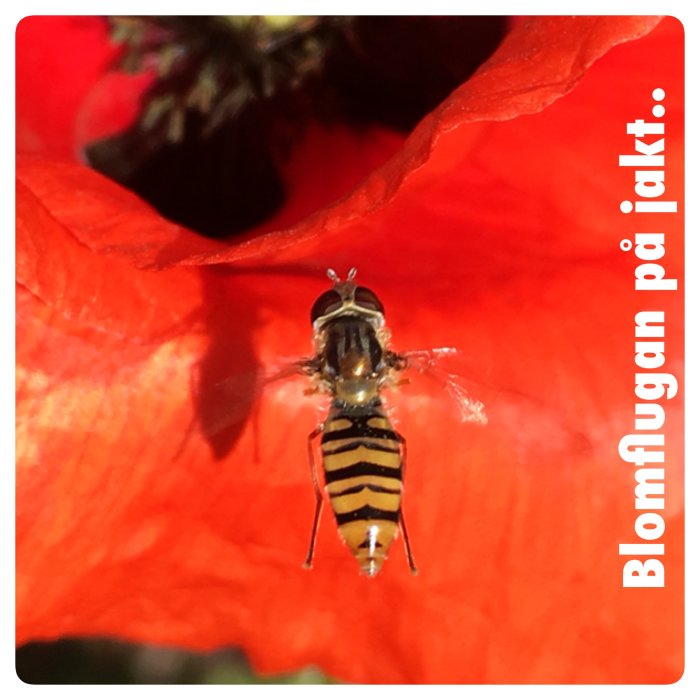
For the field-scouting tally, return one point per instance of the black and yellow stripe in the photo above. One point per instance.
(363, 471)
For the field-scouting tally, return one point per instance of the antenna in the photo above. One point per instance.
(333, 275)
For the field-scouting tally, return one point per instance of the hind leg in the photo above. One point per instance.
(402, 522)
(319, 496)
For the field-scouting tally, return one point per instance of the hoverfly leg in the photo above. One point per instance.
(311, 368)
(396, 361)
(402, 522)
(319, 496)
(407, 545)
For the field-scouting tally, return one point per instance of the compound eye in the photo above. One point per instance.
(327, 302)
(367, 299)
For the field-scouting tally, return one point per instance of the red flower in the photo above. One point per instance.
(161, 498)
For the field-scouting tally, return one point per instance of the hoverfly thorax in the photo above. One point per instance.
(350, 337)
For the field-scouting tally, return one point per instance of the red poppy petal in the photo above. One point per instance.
(58, 61)
(155, 527)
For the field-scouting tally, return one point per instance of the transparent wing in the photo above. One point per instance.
(478, 395)
(434, 364)
(471, 410)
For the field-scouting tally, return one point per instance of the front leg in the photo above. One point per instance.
(310, 365)
(396, 361)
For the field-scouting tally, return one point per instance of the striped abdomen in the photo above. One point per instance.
(362, 466)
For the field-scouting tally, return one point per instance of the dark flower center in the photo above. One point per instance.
(234, 94)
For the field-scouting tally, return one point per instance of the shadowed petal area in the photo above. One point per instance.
(163, 489)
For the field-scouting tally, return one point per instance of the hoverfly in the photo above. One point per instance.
(363, 456)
